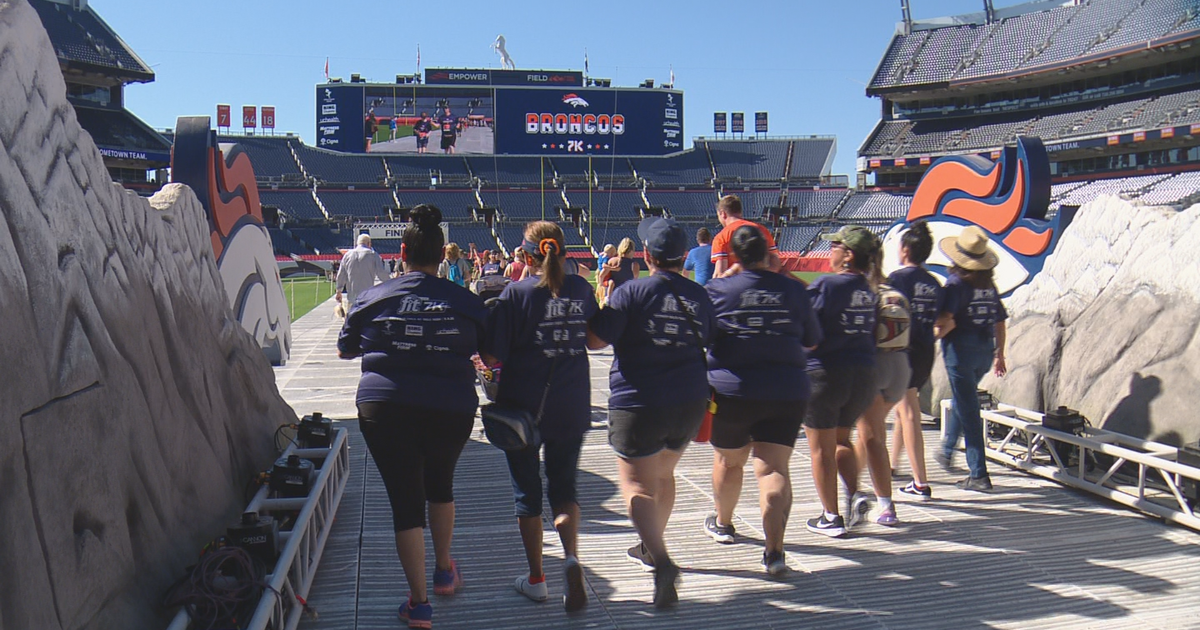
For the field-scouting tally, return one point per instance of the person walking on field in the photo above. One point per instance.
(729, 213)
(757, 367)
(358, 271)
(658, 327)
(538, 332)
(699, 260)
(416, 400)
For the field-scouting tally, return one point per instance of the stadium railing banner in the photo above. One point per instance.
(810, 263)
(268, 117)
(588, 122)
(1007, 198)
(249, 116)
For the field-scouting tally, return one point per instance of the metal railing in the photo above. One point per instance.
(1136, 473)
(280, 607)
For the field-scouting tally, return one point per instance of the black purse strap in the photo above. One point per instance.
(549, 378)
(691, 320)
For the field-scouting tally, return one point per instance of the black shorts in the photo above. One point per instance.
(740, 421)
(415, 450)
(448, 141)
(840, 395)
(920, 357)
(422, 142)
(644, 431)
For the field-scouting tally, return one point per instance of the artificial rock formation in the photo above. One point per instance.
(1109, 327)
(134, 406)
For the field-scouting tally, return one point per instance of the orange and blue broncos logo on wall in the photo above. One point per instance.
(1008, 198)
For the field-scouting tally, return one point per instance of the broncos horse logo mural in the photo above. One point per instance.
(1008, 198)
(224, 182)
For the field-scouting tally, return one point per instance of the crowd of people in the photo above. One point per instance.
(751, 355)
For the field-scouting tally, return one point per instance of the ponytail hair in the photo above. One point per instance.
(423, 238)
(919, 241)
(544, 245)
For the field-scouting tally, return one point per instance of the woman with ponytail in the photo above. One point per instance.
(538, 331)
(416, 399)
(924, 294)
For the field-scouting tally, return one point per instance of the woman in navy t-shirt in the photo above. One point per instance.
(540, 324)
(842, 370)
(972, 329)
(924, 294)
(416, 398)
(658, 327)
(756, 366)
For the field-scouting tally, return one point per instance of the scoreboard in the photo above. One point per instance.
(498, 112)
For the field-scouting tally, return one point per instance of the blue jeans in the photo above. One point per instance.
(968, 358)
(562, 463)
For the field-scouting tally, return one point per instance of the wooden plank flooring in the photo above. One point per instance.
(1030, 555)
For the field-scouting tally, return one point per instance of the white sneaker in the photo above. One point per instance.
(536, 592)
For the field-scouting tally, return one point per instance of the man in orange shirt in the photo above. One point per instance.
(729, 213)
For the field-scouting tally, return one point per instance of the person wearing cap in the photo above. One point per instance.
(757, 371)
(842, 371)
(658, 327)
(972, 329)
(538, 332)
(729, 213)
(359, 270)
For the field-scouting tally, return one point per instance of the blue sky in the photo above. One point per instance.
(806, 62)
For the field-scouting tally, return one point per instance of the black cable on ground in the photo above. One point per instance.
(221, 591)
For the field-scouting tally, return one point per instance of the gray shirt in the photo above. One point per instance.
(359, 269)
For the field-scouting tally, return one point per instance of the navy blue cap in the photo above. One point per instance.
(664, 238)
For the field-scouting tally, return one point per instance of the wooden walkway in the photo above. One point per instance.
(1030, 555)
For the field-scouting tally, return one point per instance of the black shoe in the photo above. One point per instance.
(775, 563)
(666, 578)
(835, 528)
(641, 556)
(978, 484)
(721, 533)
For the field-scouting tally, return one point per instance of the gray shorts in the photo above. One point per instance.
(892, 373)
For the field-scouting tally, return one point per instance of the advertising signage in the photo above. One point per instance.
(458, 76)
(443, 119)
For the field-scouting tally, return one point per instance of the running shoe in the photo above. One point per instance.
(721, 533)
(537, 592)
(416, 615)
(575, 598)
(641, 556)
(775, 563)
(978, 484)
(835, 528)
(858, 505)
(887, 516)
(666, 578)
(446, 582)
(945, 461)
(923, 493)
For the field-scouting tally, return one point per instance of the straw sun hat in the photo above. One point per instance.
(969, 250)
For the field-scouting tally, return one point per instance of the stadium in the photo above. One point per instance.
(126, 324)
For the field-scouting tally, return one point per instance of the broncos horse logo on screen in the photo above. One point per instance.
(574, 100)
(1008, 198)
(226, 187)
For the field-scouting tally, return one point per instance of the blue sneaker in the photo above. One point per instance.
(416, 615)
(446, 582)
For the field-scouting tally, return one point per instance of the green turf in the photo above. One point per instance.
(384, 132)
(303, 294)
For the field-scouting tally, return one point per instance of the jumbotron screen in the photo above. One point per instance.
(510, 120)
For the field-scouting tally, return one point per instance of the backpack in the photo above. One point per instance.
(892, 319)
(455, 274)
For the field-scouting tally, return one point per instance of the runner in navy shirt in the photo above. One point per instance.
(757, 368)
(540, 324)
(658, 327)
(448, 125)
(842, 369)
(924, 293)
(972, 327)
(416, 398)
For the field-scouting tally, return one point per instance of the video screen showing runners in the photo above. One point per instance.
(425, 120)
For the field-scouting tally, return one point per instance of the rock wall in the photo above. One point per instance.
(1109, 326)
(134, 406)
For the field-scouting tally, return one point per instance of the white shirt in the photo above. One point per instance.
(358, 271)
